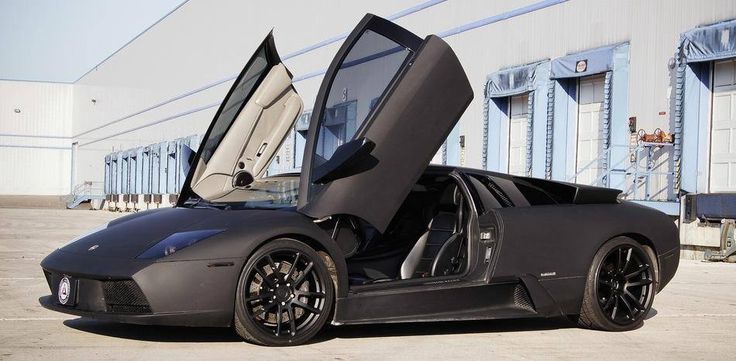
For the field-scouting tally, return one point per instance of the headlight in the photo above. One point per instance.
(85, 234)
(177, 242)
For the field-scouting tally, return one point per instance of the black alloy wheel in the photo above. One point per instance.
(285, 294)
(621, 287)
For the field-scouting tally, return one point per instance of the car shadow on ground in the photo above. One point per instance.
(443, 328)
(153, 333)
(202, 334)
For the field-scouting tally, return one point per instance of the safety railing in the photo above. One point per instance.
(85, 191)
(637, 167)
(644, 176)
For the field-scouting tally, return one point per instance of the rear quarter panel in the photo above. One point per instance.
(556, 244)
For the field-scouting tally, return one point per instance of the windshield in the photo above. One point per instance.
(265, 193)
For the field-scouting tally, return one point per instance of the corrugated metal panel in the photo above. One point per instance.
(530, 132)
(484, 149)
(607, 106)
(34, 164)
(679, 93)
(550, 130)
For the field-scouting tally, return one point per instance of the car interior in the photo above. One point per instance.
(231, 161)
(426, 238)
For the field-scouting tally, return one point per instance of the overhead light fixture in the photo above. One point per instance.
(16, 110)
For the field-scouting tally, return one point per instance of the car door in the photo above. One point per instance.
(258, 112)
(387, 102)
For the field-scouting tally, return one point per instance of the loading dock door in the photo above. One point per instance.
(589, 163)
(518, 122)
(723, 128)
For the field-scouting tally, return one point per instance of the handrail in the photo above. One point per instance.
(632, 172)
(87, 188)
(606, 152)
(84, 191)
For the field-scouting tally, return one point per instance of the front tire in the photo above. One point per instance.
(284, 295)
(620, 287)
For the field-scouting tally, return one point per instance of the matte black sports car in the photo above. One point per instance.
(368, 232)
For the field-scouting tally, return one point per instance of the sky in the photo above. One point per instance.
(61, 40)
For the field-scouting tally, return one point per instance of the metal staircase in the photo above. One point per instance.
(645, 151)
(83, 192)
(638, 167)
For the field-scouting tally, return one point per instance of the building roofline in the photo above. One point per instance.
(130, 41)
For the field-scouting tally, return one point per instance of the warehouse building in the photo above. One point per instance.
(635, 95)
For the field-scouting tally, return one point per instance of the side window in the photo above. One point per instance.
(362, 78)
(248, 81)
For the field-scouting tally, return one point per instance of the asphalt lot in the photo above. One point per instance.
(693, 318)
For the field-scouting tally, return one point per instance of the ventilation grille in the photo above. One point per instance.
(124, 297)
(128, 309)
(47, 274)
(498, 193)
(521, 298)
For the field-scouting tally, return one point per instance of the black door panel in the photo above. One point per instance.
(408, 123)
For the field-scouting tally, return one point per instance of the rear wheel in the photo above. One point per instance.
(620, 287)
(284, 296)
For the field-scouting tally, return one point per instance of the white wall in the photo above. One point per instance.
(28, 164)
(203, 42)
(198, 44)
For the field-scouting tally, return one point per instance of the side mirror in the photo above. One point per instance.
(350, 158)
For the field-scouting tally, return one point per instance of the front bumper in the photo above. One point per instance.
(180, 293)
(184, 318)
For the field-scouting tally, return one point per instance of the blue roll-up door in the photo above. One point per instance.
(514, 127)
(704, 148)
(587, 135)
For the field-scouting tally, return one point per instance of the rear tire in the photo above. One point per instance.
(284, 295)
(620, 287)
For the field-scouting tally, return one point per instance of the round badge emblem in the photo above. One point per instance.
(581, 66)
(65, 289)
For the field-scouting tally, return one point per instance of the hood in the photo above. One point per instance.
(132, 235)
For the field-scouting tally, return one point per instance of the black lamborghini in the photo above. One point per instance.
(368, 232)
